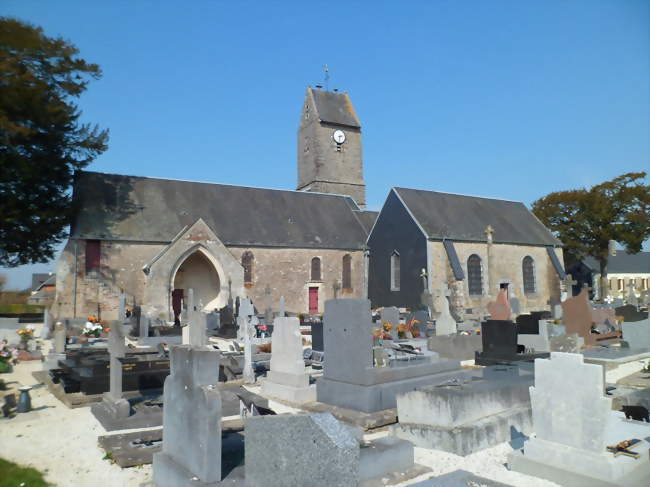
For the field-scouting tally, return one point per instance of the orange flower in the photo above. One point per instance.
(387, 326)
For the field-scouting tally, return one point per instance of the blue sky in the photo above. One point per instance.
(508, 99)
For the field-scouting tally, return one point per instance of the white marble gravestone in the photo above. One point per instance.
(191, 451)
(574, 424)
(445, 322)
(288, 378)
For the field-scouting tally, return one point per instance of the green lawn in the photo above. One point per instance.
(12, 475)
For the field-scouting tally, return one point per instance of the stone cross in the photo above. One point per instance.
(249, 332)
(198, 322)
(489, 232)
(568, 284)
(117, 350)
(631, 298)
(425, 281)
(121, 311)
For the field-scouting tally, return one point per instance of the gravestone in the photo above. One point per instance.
(578, 318)
(499, 338)
(113, 400)
(390, 314)
(445, 323)
(351, 380)
(281, 311)
(312, 449)
(515, 306)
(567, 287)
(571, 448)
(288, 378)
(191, 451)
(631, 313)
(145, 323)
(631, 294)
(637, 333)
(316, 449)
(317, 336)
(528, 324)
(499, 309)
(59, 338)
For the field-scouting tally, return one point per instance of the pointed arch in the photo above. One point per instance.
(475, 275)
(247, 262)
(346, 273)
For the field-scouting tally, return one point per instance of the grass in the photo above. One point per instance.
(12, 475)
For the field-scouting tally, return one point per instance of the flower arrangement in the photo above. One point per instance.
(8, 357)
(401, 331)
(92, 319)
(383, 332)
(92, 329)
(26, 334)
(412, 329)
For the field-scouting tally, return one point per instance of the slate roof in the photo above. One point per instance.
(117, 207)
(464, 218)
(335, 108)
(38, 278)
(623, 263)
(367, 219)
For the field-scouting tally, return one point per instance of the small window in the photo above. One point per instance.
(346, 273)
(475, 275)
(247, 259)
(610, 283)
(315, 269)
(394, 271)
(528, 269)
(620, 284)
(644, 284)
(93, 256)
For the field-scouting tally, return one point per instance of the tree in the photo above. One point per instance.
(585, 220)
(42, 142)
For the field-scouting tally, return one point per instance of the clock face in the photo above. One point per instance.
(338, 136)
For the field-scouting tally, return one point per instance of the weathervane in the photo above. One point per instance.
(327, 77)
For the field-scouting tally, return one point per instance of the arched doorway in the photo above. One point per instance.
(196, 272)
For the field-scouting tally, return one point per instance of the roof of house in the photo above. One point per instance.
(623, 263)
(118, 207)
(39, 278)
(335, 108)
(465, 218)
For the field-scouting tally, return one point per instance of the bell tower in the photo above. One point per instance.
(329, 146)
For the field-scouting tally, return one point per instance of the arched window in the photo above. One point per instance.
(394, 271)
(315, 269)
(346, 275)
(475, 275)
(247, 263)
(528, 269)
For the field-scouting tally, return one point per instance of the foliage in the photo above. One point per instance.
(20, 309)
(12, 475)
(585, 220)
(42, 141)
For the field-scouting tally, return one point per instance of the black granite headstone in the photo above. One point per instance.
(631, 314)
(317, 336)
(499, 337)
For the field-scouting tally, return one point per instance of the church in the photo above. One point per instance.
(153, 239)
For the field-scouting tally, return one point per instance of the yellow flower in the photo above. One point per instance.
(387, 326)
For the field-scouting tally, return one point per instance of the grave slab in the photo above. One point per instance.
(465, 417)
(456, 347)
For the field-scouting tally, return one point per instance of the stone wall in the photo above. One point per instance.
(287, 273)
(505, 266)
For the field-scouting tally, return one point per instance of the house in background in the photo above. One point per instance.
(43, 289)
(623, 269)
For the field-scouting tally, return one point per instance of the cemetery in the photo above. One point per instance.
(361, 398)
(204, 325)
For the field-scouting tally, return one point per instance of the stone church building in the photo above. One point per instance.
(153, 239)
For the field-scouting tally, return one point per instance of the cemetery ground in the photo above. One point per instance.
(61, 443)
